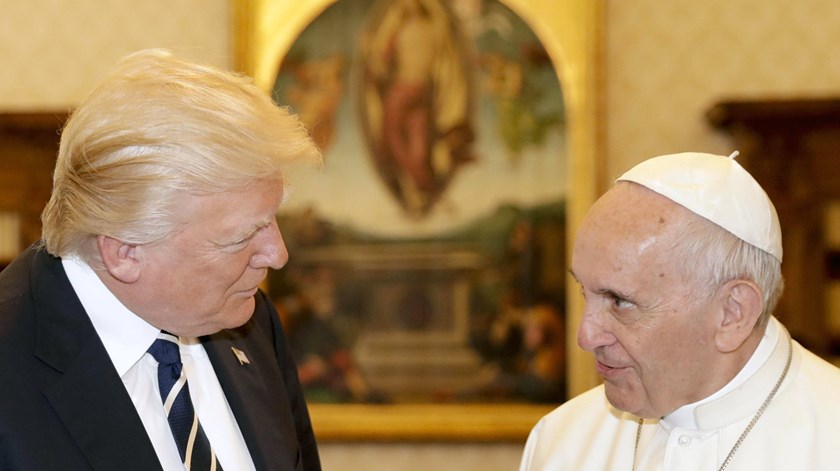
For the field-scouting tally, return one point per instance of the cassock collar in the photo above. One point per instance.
(744, 394)
(684, 417)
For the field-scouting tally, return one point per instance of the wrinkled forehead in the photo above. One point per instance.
(630, 233)
(632, 221)
(629, 206)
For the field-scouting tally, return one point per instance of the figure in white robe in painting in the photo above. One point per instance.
(416, 99)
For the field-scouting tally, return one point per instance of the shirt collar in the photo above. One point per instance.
(684, 417)
(125, 335)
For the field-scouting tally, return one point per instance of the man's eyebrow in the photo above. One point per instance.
(607, 291)
(248, 233)
(255, 228)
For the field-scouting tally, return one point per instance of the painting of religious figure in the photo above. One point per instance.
(416, 99)
(428, 254)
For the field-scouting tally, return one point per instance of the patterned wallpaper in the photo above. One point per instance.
(668, 61)
(420, 456)
(52, 52)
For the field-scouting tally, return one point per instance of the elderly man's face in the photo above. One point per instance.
(203, 278)
(652, 338)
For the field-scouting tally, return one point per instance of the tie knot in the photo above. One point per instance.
(165, 351)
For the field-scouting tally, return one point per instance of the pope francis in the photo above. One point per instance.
(680, 267)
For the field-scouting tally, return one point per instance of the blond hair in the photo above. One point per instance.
(156, 127)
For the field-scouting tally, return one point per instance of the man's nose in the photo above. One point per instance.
(272, 251)
(592, 332)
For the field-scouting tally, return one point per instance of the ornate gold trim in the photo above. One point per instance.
(425, 422)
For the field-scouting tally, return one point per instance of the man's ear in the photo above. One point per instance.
(119, 258)
(742, 303)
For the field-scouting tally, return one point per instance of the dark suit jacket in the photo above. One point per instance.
(63, 406)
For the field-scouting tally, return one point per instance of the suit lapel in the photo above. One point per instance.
(268, 432)
(96, 409)
(88, 395)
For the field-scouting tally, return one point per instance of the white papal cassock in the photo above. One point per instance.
(799, 430)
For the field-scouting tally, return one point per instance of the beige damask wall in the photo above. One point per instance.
(53, 51)
(668, 61)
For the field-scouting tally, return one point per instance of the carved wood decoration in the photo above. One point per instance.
(28, 146)
(792, 147)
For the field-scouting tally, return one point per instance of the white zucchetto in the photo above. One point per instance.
(717, 188)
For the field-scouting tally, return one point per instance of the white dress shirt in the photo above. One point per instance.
(126, 338)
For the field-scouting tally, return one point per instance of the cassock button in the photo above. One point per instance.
(684, 440)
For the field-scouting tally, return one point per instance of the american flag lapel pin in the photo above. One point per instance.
(240, 355)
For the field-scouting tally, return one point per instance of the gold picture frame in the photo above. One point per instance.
(571, 31)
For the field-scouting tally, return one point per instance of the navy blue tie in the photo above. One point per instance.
(195, 450)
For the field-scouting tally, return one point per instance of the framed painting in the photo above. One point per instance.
(425, 296)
